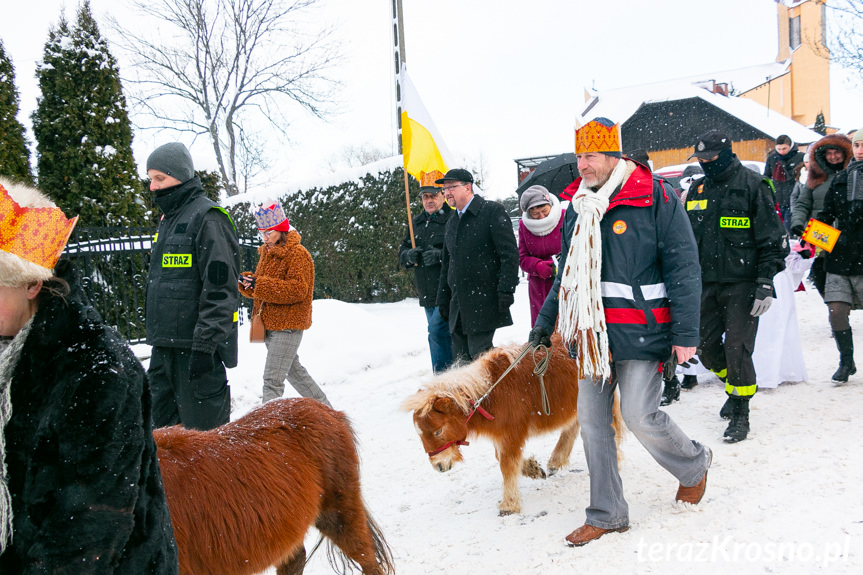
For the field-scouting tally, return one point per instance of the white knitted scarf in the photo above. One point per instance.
(582, 316)
(547, 224)
(10, 353)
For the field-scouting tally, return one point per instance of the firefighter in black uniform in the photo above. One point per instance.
(742, 244)
(192, 297)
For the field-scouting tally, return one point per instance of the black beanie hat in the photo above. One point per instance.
(172, 159)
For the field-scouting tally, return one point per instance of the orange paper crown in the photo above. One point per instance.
(594, 137)
(37, 235)
(427, 179)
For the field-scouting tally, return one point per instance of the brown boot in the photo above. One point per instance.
(694, 494)
(587, 533)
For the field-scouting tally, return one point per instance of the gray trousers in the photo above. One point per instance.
(283, 362)
(640, 391)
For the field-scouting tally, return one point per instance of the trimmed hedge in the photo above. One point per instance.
(353, 232)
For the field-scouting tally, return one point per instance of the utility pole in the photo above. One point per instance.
(400, 59)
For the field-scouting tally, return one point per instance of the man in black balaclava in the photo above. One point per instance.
(741, 246)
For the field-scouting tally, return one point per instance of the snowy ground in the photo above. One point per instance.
(787, 500)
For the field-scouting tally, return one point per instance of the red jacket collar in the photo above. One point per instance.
(637, 190)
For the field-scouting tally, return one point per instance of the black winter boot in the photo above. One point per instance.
(845, 343)
(725, 411)
(671, 392)
(738, 429)
(689, 381)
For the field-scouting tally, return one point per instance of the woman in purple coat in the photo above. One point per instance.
(539, 243)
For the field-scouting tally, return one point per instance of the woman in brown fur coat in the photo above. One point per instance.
(282, 288)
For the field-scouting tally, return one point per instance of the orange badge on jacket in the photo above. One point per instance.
(618, 227)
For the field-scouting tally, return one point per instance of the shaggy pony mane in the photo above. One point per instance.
(463, 383)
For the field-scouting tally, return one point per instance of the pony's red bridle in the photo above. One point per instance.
(476, 407)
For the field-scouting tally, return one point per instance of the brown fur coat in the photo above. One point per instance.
(285, 282)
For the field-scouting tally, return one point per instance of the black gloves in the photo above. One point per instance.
(797, 230)
(504, 300)
(763, 298)
(443, 310)
(539, 336)
(431, 257)
(669, 366)
(413, 255)
(201, 364)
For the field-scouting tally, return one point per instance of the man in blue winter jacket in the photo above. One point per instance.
(626, 297)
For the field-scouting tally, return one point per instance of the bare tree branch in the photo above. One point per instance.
(223, 64)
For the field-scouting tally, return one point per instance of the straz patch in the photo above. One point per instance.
(176, 260)
(618, 227)
(733, 222)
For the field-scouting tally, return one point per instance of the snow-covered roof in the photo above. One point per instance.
(620, 104)
(741, 80)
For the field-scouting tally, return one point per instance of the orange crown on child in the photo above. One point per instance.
(36, 235)
(597, 137)
(427, 179)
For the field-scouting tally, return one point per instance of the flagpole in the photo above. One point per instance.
(400, 59)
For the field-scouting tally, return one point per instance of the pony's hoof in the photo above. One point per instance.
(530, 468)
(506, 512)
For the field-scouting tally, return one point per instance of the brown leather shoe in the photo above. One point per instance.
(587, 533)
(694, 494)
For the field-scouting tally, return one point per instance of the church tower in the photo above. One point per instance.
(800, 87)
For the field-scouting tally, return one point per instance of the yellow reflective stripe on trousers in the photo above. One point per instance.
(722, 374)
(741, 390)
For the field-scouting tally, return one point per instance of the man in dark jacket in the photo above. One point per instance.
(843, 290)
(623, 311)
(741, 245)
(192, 297)
(425, 260)
(783, 166)
(479, 267)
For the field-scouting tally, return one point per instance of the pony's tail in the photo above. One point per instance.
(343, 564)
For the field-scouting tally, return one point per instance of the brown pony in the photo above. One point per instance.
(242, 496)
(445, 417)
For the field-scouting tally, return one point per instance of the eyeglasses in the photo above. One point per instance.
(266, 233)
(448, 188)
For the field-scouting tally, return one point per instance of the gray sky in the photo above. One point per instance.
(502, 79)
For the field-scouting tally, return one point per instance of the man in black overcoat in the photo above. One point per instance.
(479, 267)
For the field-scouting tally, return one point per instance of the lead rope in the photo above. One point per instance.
(539, 369)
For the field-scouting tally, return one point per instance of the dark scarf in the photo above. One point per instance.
(717, 166)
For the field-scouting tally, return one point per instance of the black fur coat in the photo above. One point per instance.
(87, 493)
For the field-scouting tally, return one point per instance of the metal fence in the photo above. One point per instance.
(113, 264)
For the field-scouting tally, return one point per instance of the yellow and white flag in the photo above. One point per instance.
(422, 146)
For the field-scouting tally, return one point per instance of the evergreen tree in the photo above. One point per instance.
(83, 134)
(14, 154)
(820, 126)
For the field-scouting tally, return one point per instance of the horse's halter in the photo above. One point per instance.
(539, 370)
(476, 407)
